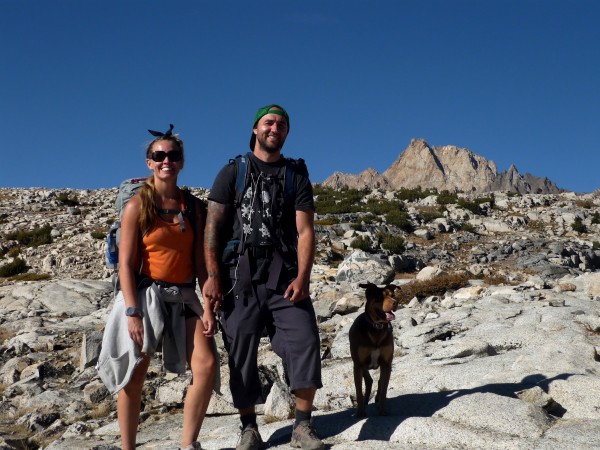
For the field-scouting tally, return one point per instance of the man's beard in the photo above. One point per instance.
(268, 147)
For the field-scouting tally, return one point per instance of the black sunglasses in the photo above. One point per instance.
(174, 156)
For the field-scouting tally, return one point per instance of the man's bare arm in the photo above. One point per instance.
(215, 223)
(299, 288)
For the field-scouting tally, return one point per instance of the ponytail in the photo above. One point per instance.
(148, 209)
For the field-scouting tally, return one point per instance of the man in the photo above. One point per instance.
(259, 246)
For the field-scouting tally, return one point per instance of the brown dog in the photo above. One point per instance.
(372, 344)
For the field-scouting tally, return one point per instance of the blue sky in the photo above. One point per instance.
(517, 82)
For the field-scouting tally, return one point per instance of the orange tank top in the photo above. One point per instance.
(167, 251)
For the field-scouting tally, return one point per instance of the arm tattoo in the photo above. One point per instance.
(215, 221)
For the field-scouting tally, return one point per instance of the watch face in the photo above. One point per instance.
(133, 311)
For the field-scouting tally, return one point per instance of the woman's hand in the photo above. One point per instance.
(210, 323)
(136, 330)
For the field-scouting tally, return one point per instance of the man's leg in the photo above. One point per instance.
(296, 341)
(242, 324)
(305, 398)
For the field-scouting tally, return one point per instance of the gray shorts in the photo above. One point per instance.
(294, 337)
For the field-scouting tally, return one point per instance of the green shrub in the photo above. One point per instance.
(579, 226)
(15, 267)
(394, 244)
(328, 221)
(32, 238)
(14, 252)
(472, 206)
(413, 194)
(357, 226)
(399, 219)
(99, 233)
(469, 228)
(361, 243)
(596, 245)
(446, 198)
(429, 215)
(331, 201)
(66, 199)
(595, 217)
(368, 219)
(380, 207)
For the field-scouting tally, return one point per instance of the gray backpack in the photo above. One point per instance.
(127, 189)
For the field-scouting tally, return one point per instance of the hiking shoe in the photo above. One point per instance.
(193, 446)
(250, 439)
(304, 437)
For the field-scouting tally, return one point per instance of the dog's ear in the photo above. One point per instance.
(371, 290)
(391, 288)
(366, 285)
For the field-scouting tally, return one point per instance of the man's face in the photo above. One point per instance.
(271, 131)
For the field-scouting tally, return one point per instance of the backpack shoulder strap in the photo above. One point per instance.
(190, 206)
(190, 211)
(241, 164)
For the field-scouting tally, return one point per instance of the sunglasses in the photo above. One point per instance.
(160, 156)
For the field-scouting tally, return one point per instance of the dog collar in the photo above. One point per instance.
(376, 325)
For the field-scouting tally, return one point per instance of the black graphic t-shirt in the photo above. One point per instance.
(262, 204)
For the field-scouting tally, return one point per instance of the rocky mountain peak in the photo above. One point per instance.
(443, 168)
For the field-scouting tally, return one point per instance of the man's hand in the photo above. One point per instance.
(212, 293)
(297, 291)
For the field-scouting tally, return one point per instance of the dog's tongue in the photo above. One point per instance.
(389, 316)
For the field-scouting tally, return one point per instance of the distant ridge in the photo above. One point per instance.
(444, 168)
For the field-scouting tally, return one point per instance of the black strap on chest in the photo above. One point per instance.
(244, 249)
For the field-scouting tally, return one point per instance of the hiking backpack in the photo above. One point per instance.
(127, 189)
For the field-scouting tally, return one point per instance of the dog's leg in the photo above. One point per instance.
(384, 380)
(360, 400)
(368, 384)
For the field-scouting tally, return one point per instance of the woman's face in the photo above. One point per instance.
(166, 160)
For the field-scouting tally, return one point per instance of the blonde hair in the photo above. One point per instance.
(148, 209)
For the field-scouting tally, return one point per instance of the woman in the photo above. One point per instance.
(159, 256)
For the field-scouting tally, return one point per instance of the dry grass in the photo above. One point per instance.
(17, 432)
(497, 279)
(100, 411)
(6, 334)
(404, 276)
(436, 286)
(30, 276)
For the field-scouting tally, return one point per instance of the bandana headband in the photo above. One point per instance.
(166, 134)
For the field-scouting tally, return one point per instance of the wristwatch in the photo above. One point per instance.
(134, 311)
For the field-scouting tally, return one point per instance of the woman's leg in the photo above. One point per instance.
(202, 362)
(129, 403)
